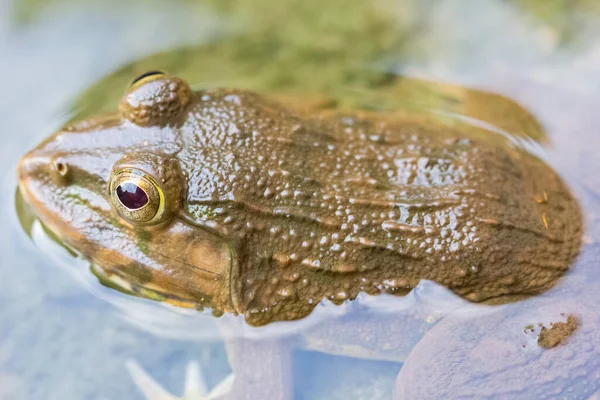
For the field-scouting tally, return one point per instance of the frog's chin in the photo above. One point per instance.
(179, 264)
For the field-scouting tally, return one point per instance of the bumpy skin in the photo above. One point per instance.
(310, 206)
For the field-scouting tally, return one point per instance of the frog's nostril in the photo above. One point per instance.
(36, 165)
(60, 168)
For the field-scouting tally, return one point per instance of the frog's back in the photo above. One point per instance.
(326, 207)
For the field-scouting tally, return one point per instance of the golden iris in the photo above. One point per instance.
(136, 196)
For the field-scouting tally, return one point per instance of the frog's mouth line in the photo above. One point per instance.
(118, 282)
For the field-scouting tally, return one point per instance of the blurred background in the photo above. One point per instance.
(61, 59)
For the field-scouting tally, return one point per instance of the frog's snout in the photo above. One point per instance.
(37, 166)
(31, 166)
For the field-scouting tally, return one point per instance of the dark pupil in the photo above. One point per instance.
(132, 196)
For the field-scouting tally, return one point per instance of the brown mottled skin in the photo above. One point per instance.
(558, 333)
(268, 210)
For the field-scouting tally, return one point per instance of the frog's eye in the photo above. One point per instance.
(136, 196)
(147, 76)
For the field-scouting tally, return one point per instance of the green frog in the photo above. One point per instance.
(265, 206)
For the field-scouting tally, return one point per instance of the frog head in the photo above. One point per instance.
(112, 189)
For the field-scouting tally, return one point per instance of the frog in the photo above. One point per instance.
(258, 206)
